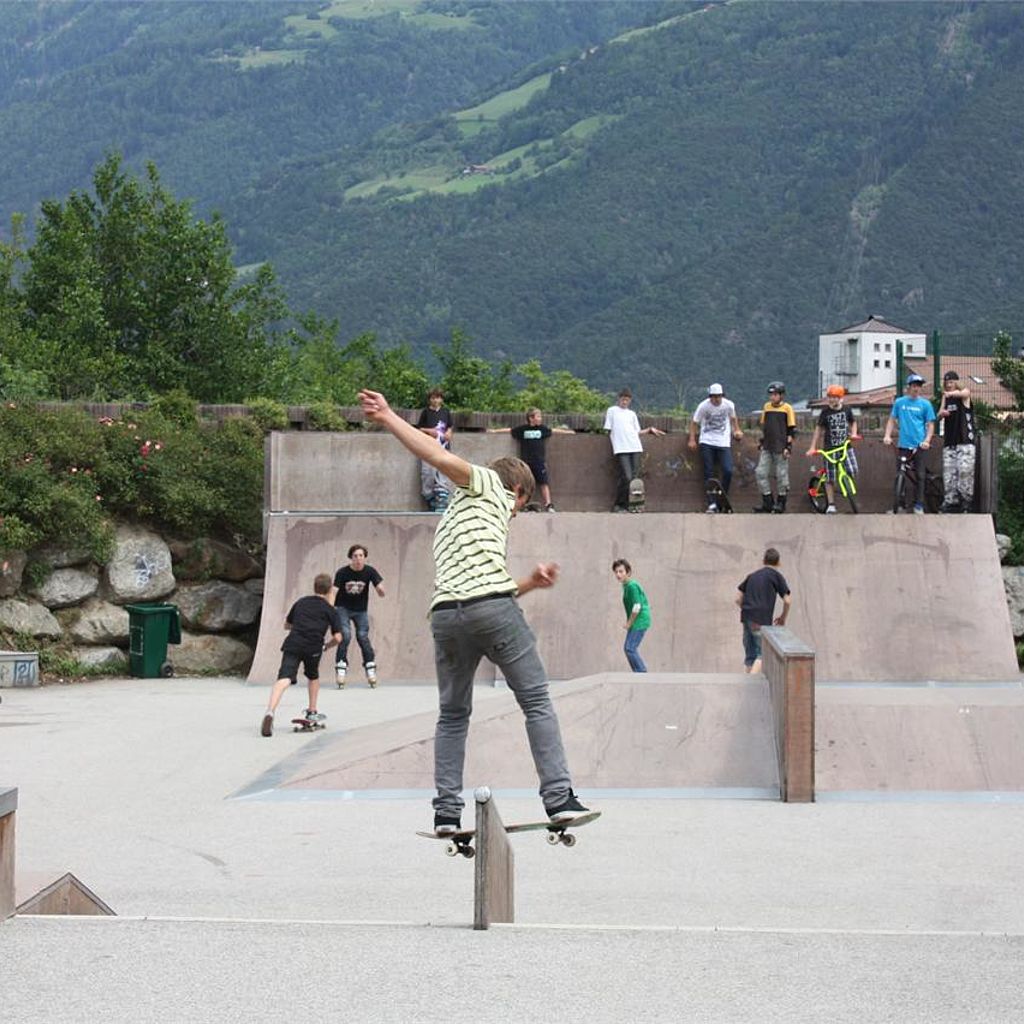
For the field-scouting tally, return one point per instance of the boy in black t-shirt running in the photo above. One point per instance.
(351, 598)
(308, 620)
(532, 437)
(756, 599)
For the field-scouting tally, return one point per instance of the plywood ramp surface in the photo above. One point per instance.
(878, 597)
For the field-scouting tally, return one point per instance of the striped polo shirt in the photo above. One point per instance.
(470, 544)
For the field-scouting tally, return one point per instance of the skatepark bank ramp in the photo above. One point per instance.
(878, 597)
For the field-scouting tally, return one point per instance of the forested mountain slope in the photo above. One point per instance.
(658, 194)
(220, 93)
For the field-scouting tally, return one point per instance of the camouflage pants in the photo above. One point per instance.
(773, 464)
(958, 473)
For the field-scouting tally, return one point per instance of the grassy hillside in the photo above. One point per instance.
(653, 193)
(692, 202)
(220, 94)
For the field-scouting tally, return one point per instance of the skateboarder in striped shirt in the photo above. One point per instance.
(474, 613)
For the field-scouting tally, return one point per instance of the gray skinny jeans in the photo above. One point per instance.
(462, 636)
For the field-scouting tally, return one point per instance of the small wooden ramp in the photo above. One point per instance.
(63, 895)
(665, 734)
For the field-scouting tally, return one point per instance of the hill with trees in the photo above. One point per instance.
(658, 194)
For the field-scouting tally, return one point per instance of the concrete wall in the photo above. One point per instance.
(370, 471)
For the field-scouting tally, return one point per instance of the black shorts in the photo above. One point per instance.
(539, 471)
(290, 661)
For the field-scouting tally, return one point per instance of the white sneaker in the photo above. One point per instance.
(341, 677)
(831, 510)
(371, 674)
(919, 510)
(711, 508)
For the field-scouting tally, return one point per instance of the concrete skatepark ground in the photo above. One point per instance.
(281, 879)
(293, 904)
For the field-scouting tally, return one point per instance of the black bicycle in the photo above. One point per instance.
(904, 493)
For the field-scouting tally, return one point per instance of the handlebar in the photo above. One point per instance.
(828, 451)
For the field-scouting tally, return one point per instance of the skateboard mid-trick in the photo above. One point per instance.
(558, 833)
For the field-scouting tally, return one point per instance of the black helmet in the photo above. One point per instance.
(951, 375)
(777, 385)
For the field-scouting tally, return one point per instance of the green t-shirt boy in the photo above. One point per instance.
(633, 595)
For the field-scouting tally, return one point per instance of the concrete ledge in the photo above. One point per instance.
(789, 668)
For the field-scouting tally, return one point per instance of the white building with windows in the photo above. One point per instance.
(862, 357)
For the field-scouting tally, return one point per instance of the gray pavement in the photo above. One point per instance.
(293, 905)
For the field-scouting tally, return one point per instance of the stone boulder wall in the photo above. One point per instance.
(58, 556)
(82, 605)
(29, 617)
(208, 654)
(1013, 581)
(66, 587)
(217, 607)
(12, 568)
(140, 567)
(110, 659)
(97, 622)
(205, 559)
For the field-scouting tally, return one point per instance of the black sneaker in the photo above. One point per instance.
(446, 825)
(572, 808)
(267, 728)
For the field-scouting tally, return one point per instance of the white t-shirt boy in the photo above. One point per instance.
(624, 430)
(715, 422)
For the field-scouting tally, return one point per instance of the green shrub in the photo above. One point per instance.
(51, 490)
(1010, 515)
(267, 414)
(67, 475)
(325, 416)
(176, 406)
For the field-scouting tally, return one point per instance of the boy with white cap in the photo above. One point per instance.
(715, 417)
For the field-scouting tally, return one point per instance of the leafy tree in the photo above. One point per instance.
(559, 391)
(128, 294)
(470, 382)
(1009, 370)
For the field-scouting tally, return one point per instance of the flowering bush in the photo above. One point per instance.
(65, 476)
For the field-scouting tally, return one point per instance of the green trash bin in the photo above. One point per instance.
(151, 627)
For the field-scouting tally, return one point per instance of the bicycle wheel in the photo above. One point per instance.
(816, 493)
(899, 492)
(934, 493)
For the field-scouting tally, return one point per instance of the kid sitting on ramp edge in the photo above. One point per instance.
(474, 613)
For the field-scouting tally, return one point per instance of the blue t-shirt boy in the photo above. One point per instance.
(912, 416)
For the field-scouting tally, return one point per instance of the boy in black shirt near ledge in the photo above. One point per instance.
(532, 437)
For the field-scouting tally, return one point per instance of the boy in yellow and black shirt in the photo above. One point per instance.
(778, 426)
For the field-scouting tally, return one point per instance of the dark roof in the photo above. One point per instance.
(876, 325)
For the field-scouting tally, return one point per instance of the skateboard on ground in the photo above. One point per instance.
(461, 842)
(307, 725)
(716, 496)
(637, 495)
